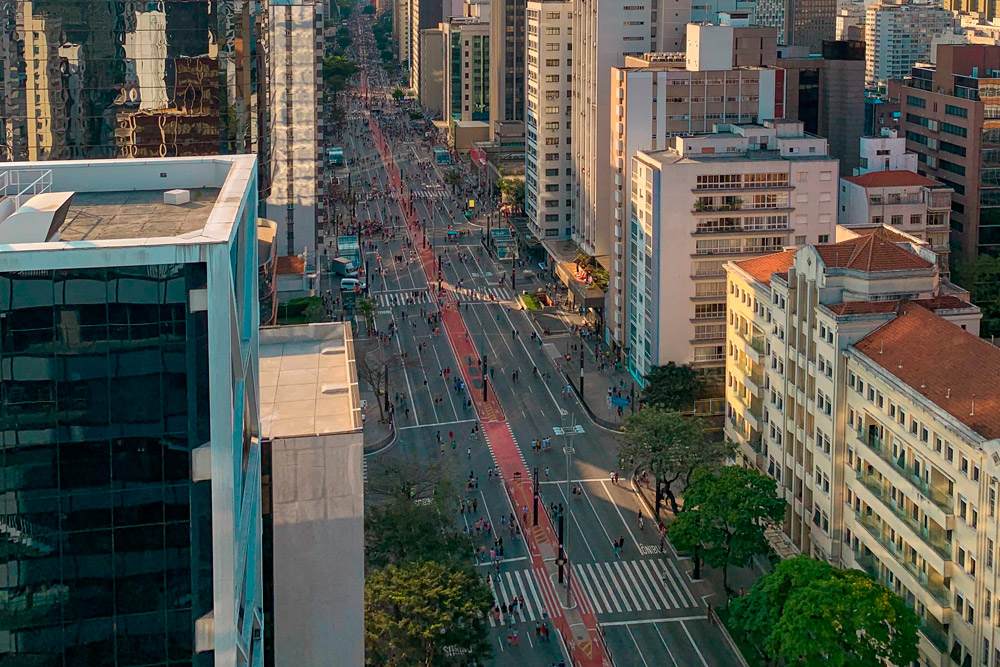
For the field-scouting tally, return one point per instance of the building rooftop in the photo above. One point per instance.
(946, 302)
(308, 385)
(895, 178)
(762, 267)
(83, 205)
(950, 367)
(134, 214)
(870, 253)
(881, 230)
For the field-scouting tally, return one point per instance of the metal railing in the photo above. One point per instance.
(941, 499)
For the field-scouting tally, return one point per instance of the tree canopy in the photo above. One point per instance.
(426, 613)
(402, 531)
(808, 612)
(725, 515)
(671, 386)
(671, 447)
(368, 10)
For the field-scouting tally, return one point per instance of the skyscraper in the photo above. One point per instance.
(105, 80)
(507, 63)
(129, 429)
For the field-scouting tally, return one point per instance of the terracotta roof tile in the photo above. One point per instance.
(891, 179)
(952, 368)
(762, 267)
(869, 253)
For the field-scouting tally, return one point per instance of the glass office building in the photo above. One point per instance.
(129, 446)
(85, 79)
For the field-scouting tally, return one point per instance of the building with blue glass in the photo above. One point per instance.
(129, 427)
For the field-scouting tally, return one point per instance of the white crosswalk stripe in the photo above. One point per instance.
(630, 586)
(430, 194)
(484, 294)
(511, 585)
(393, 299)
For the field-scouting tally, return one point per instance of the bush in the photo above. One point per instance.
(531, 302)
(302, 310)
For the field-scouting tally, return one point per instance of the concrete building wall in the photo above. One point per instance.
(296, 170)
(898, 34)
(507, 66)
(431, 91)
(548, 186)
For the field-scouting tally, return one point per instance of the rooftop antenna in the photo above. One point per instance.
(923, 385)
(948, 395)
(881, 345)
(973, 413)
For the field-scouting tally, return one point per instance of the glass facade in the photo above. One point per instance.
(103, 79)
(106, 542)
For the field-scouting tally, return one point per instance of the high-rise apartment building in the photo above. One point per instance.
(659, 95)
(604, 33)
(430, 94)
(740, 191)
(466, 70)
(548, 178)
(424, 15)
(804, 23)
(856, 379)
(951, 119)
(91, 80)
(507, 66)
(898, 34)
(131, 439)
(297, 171)
(825, 90)
(791, 316)
(904, 200)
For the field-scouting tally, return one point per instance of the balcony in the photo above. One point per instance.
(935, 539)
(720, 204)
(941, 499)
(873, 526)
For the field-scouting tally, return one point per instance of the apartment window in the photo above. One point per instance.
(552, 78)
(924, 434)
(552, 46)
(963, 507)
(964, 465)
(959, 112)
(552, 62)
(989, 553)
(916, 219)
(552, 31)
(896, 220)
(975, 473)
(824, 238)
(961, 557)
(917, 102)
(937, 444)
(949, 454)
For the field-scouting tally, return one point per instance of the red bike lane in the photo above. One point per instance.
(578, 625)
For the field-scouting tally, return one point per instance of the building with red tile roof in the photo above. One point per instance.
(870, 253)
(904, 200)
(948, 366)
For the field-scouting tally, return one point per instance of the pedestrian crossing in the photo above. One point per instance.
(393, 299)
(484, 294)
(634, 586)
(429, 194)
(513, 585)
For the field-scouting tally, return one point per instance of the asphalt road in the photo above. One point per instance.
(650, 610)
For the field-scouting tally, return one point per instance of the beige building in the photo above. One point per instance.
(798, 323)
(898, 34)
(742, 191)
(921, 469)
(904, 200)
(657, 96)
(430, 93)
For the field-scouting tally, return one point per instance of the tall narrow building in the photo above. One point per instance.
(604, 34)
(507, 66)
(548, 181)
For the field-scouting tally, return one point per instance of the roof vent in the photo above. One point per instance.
(176, 197)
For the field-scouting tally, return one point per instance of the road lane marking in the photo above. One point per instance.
(620, 515)
(696, 649)
(672, 658)
(651, 621)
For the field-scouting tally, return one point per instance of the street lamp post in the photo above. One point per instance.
(568, 450)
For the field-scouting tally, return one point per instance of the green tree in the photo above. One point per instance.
(512, 191)
(402, 530)
(725, 515)
(671, 447)
(426, 614)
(809, 612)
(368, 10)
(981, 277)
(453, 178)
(398, 94)
(671, 386)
